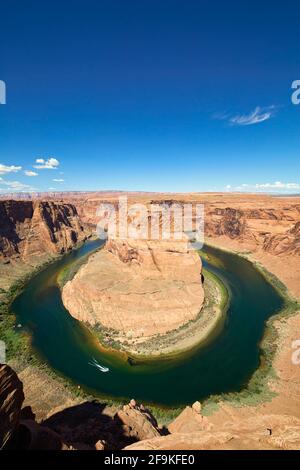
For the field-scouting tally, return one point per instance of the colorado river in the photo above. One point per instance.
(224, 365)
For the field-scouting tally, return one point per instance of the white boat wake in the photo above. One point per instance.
(96, 364)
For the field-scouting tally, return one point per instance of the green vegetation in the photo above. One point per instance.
(165, 416)
(21, 354)
(70, 270)
(17, 343)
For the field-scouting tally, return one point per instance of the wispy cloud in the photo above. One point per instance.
(30, 173)
(258, 115)
(58, 180)
(4, 169)
(276, 186)
(16, 185)
(48, 164)
(255, 117)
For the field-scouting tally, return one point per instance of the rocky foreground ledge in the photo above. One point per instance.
(137, 288)
(90, 426)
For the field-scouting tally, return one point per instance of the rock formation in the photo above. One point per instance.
(268, 432)
(32, 233)
(137, 422)
(190, 420)
(249, 218)
(133, 427)
(31, 229)
(79, 427)
(11, 399)
(287, 243)
(274, 230)
(138, 288)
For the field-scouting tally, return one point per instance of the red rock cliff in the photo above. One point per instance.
(30, 229)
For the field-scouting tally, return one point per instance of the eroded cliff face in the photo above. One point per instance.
(30, 229)
(275, 231)
(285, 243)
(136, 287)
(258, 221)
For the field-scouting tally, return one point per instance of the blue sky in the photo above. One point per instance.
(150, 95)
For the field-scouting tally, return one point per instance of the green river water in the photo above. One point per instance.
(224, 365)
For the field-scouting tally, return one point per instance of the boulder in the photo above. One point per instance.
(100, 445)
(136, 423)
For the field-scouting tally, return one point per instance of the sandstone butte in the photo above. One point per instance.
(139, 288)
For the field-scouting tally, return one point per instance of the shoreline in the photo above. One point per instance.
(20, 353)
(260, 387)
(262, 375)
(178, 344)
(271, 277)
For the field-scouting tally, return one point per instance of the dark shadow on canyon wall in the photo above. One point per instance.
(87, 424)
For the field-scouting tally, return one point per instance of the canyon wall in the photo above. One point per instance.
(257, 221)
(33, 232)
(275, 230)
(263, 225)
(30, 229)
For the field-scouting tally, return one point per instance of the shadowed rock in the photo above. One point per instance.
(11, 399)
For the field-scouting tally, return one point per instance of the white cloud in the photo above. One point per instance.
(49, 164)
(255, 117)
(30, 173)
(278, 185)
(4, 169)
(58, 180)
(260, 114)
(16, 185)
(266, 187)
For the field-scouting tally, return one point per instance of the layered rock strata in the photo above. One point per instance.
(31, 229)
